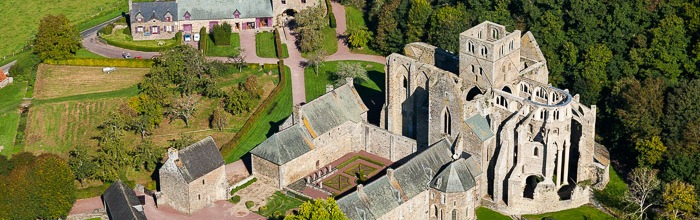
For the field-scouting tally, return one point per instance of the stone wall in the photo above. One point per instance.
(266, 171)
(173, 187)
(163, 33)
(414, 208)
(442, 205)
(386, 144)
(208, 189)
(279, 7)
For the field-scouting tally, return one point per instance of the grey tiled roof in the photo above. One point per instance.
(285, 145)
(223, 9)
(119, 201)
(480, 127)
(151, 10)
(454, 178)
(322, 114)
(199, 159)
(412, 178)
(333, 109)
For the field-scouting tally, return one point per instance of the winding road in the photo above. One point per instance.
(295, 61)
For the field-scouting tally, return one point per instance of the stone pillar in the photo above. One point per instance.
(559, 167)
(566, 164)
(329, 88)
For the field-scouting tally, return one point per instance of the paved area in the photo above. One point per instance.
(258, 192)
(93, 44)
(236, 172)
(296, 63)
(6, 67)
(86, 205)
(343, 50)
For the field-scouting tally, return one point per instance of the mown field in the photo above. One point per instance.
(60, 81)
(10, 98)
(21, 17)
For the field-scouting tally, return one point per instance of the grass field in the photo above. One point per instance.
(267, 125)
(265, 45)
(316, 84)
(9, 116)
(355, 19)
(22, 17)
(222, 51)
(613, 194)
(279, 204)
(84, 53)
(119, 39)
(581, 213)
(61, 81)
(330, 42)
(488, 214)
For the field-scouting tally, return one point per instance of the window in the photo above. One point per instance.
(168, 18)
(187, 16)
(479, 35)
(236, 14)
(454, 214)
(139, 19)
(481, 71)
(484, 51)
(199, 197)
(405, 86)
(139, 29)
(284, 1)
(446, 123)
(303, 1)
(494, 34)
(472, 68)
(536, 153)
(510, 46)
(470, 47)
(202, 182)
(435, 210)
(443, 198)
(169, 28)
(155, 29)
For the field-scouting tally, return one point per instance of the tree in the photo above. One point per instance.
(81, 164)
(183, 66)
(319, 209)
(650, 152)
(591, 77)
(56, 38)
(310, 21)
(238, 101)
(221, 34)
(147, 155)
(418, 17)
(183, 108)
(641, 107)
(664, 56)
(349, 70)
(252, 86)
(679, 200)
(643, 190)
(316, 60)
(445, 25)
(389, 38)
(681, 109)
(52, 187)
(359, 37)
(219, 118)
(184, 141)
(238, 59)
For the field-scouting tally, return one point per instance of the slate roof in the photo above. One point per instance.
(456, 177)
(285, 145)
(223, 9)
(480, 127)
(412, 178)
(119, 201)
(151, 10)
(319, 116)
(601, 154)
(199, 159)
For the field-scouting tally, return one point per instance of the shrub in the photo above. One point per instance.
(234, 190)
(359, 4)
(235, 199)
(141, 47)
(126, 31)
(262, 209)
(221, 34)
(135, 63)
(331, 17)
(203, 39)
(249, 204)
(276, 214)
(253, 66)
(178, 37)
(151, 185)
(269, 66)
(107, 29)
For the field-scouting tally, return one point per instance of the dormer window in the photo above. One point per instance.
(187, 16)
(236, 14)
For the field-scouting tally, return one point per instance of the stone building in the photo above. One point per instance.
(162, 19)
(484, 129)
(121, 203)
(193, 177)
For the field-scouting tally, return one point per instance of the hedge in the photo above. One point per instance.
(203, 39)
(234, 190)
(139, 47)
(278, 44)
(332, 20)
(228, 147)
(104, 62)
(178, 37)
(358, 157)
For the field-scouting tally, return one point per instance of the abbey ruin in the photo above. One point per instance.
(483, 128)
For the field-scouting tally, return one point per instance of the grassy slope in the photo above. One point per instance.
(10, 98)
(265, 45)
(222, 51)
(268, 122)
(316, 85)
(52, 81)
(84, 53)
(488, 214)
(22, 17)
(583, 213)
(355, 19)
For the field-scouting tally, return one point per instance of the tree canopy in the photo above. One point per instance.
(56, 38)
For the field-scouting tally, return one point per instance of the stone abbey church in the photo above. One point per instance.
(483, 128)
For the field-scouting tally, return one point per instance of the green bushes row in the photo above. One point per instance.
(178, 37)
(332, 20)
(141, 47)
(234, 190)
(331, 17)
(228, 147)
(278, 45)
(104, 62)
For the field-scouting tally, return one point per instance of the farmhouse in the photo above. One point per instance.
(162, 19)
(194, 177)
(4, 79)
(481, 128)
(120, 202)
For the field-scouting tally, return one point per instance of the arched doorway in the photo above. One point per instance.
(472, 93)
(530, 185)
(507, 89)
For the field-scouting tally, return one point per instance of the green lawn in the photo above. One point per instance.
(265, 46)
(268, 123)
(279, 203)
(330, 41)
(22, 17)
(84, 53)
(119, 39)
(612, 195)
(355, 19)
(584, 212)
(488, 214)
(222, 51)
(9, 115)
(316, 84)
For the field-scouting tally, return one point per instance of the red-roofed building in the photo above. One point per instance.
(4, 80)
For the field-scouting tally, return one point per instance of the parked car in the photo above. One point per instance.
(188, 37)
(126, 55)
(196, 37)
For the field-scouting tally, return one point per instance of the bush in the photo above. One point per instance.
(331, 17)
(269, 66)
(249, 204)
(235, 199)
(126, 31)
(262, 209)
(178, 37)
(253, 66)
(228, 147)
(359, 4)
(25, 68)
(234, 190)
(221, 34)
(203, 39)
(107, 29)
(104, 62)
(276, 214)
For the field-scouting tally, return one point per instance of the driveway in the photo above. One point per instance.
(93, 44)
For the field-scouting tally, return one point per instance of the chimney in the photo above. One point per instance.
(172, 154)
(390, 174)
(329, 88)
(129, 12)
(296, 114)
(361, 193)
(350, 80)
